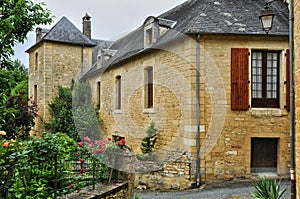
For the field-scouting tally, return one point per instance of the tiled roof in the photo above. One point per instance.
(235, 17)
(66, 32)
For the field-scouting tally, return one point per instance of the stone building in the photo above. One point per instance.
(297, 91)
(204, 72)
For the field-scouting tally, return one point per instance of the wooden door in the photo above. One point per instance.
(264, 154)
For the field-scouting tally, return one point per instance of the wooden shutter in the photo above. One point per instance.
(288, 80)
(239, 78)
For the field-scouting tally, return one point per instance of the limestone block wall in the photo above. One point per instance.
(173, 175)
(52, 65)
(170, 97)
(297, 90)
(227, 153)
(225, 134)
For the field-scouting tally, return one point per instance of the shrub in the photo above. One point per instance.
(149, 141)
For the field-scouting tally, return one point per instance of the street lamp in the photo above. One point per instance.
(266, 17)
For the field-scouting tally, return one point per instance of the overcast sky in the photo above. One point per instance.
(110, 18)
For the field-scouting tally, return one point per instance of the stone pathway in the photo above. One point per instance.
(236, 190)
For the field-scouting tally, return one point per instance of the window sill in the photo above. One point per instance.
(276, 112)
(149, 110)
(118, 111)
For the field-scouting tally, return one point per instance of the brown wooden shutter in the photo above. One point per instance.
(288, 80)
(239, 78)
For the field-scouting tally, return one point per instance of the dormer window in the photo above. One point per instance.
(148, 37)
(155, 27)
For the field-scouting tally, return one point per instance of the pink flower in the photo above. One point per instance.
(98, 151)
(101, 143)
(77, 153)
(87, 139)
(81, 160)
(123, 142)
(80, 144)
(81, 170)
(71, 186)
(91, 145)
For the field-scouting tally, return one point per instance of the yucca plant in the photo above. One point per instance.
(268, 189)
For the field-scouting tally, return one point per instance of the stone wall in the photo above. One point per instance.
(297, 90)
(225, 134)
(230, 157)
(175, 175)
(102, 191)
(58, 64)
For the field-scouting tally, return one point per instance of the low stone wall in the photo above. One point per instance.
(115, 191)
(173, 176)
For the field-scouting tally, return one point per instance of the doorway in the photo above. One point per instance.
(264, 155)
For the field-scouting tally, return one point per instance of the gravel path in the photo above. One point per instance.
(224, 191)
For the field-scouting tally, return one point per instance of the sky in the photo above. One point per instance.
(110, 18)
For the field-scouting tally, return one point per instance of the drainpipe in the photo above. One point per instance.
(198, 109)
(82, 59)
(292, 102)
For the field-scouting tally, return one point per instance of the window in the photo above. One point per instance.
(118, 93)
(265, 79)
(148, 37)
(98, 95)
(265, 84)
(36, 61)
(149, 88)
(35, 94)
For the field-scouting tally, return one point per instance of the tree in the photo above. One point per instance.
(16, 116)
(17, 18)
(75, 114)
(60, 110)
(10, 78)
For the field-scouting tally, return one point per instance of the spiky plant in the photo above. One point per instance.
(268, 189)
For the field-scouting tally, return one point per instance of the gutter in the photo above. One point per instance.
(198, 177)
(292, 101)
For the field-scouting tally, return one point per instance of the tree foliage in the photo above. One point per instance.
(60, 110)
(16, 115)
(73, 113)
(17, 18)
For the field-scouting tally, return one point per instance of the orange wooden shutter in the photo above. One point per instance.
(288, 80)
(239, 78)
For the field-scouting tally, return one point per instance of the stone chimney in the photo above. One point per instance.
(86, 25)
(40, 33)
